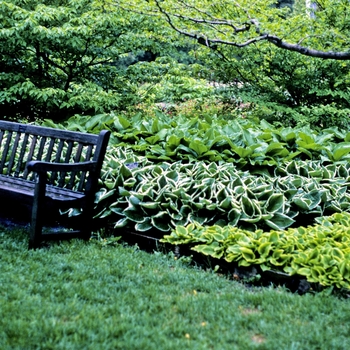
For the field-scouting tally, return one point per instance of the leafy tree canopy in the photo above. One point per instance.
(60, 57)
(292, 61)
(321, 31)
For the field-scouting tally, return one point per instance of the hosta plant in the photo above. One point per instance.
(321, 253)
(161, 196)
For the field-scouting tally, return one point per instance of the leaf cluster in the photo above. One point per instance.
(238, 140)
(150, 196)
(320, 253)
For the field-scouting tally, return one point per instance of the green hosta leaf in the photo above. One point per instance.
(306, 138)
(121, 223)
(308, 201)
(338, 254)
(341, 150)
(135, 200)
(162, 182)
(152, 139)
(302, 203)
(288, 134)
(344, 268)
(316, 273)
(305, 151)
(304, 271)
(199, 219)
(110, 184)
(134, 215)
(233, 216)
(130, 182)
(274, 236)
(123, 192)
(275, 203)
(244, 152)
(187, 150)
(103, 194)
(161, 221)
(103, 214)
(173, 175)
(149, 205)
(248, 206)
(265, 248)
(225, 204)
(125, 172)
(117, 209)
(233, 253)
(279, 221)
(248, 254)
(277, 149)
(280, 260)
(173, 142)
(121, 123)
(198, 147)
(143, 226)
(213, 249)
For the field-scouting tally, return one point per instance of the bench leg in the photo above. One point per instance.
(86, 222)
(37, 211)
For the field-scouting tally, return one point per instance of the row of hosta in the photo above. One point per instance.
(238, 141)
(321, 253)
(146, 195)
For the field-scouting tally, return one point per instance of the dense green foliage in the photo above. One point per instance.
(288, 88)
(169, 171)
(269, 55)
(163, 196)
(61, 57)
(96, 296)
(320, 253)
(205, 136)
(203, 131)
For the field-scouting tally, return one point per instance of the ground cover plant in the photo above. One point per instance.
(163, 174)
(230, 138)
(104, 295)
(162, 171)
(320, 253)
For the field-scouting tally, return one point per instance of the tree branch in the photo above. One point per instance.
(246, 27)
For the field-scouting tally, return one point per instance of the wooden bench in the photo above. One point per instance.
(51, 169)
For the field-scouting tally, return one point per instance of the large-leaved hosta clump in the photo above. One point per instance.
(321, 253)
(163, 196)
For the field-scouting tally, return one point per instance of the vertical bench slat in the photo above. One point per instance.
(57, 160)
(30, 154)
(76, 160)
(66, 160)
(5, 152)
(13, 153)
(21, 155)
(41, 148)
(49, 151)
(1, 138)
(83, 173)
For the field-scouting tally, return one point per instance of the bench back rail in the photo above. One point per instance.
(21, 143)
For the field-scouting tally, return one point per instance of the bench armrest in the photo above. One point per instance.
(39, 166)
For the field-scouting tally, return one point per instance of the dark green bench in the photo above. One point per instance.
(50, 169)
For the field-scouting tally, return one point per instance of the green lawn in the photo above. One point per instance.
(83, 295)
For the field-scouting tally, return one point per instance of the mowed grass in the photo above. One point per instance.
(83, 295)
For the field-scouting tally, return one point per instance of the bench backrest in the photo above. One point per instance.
(20, 143)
